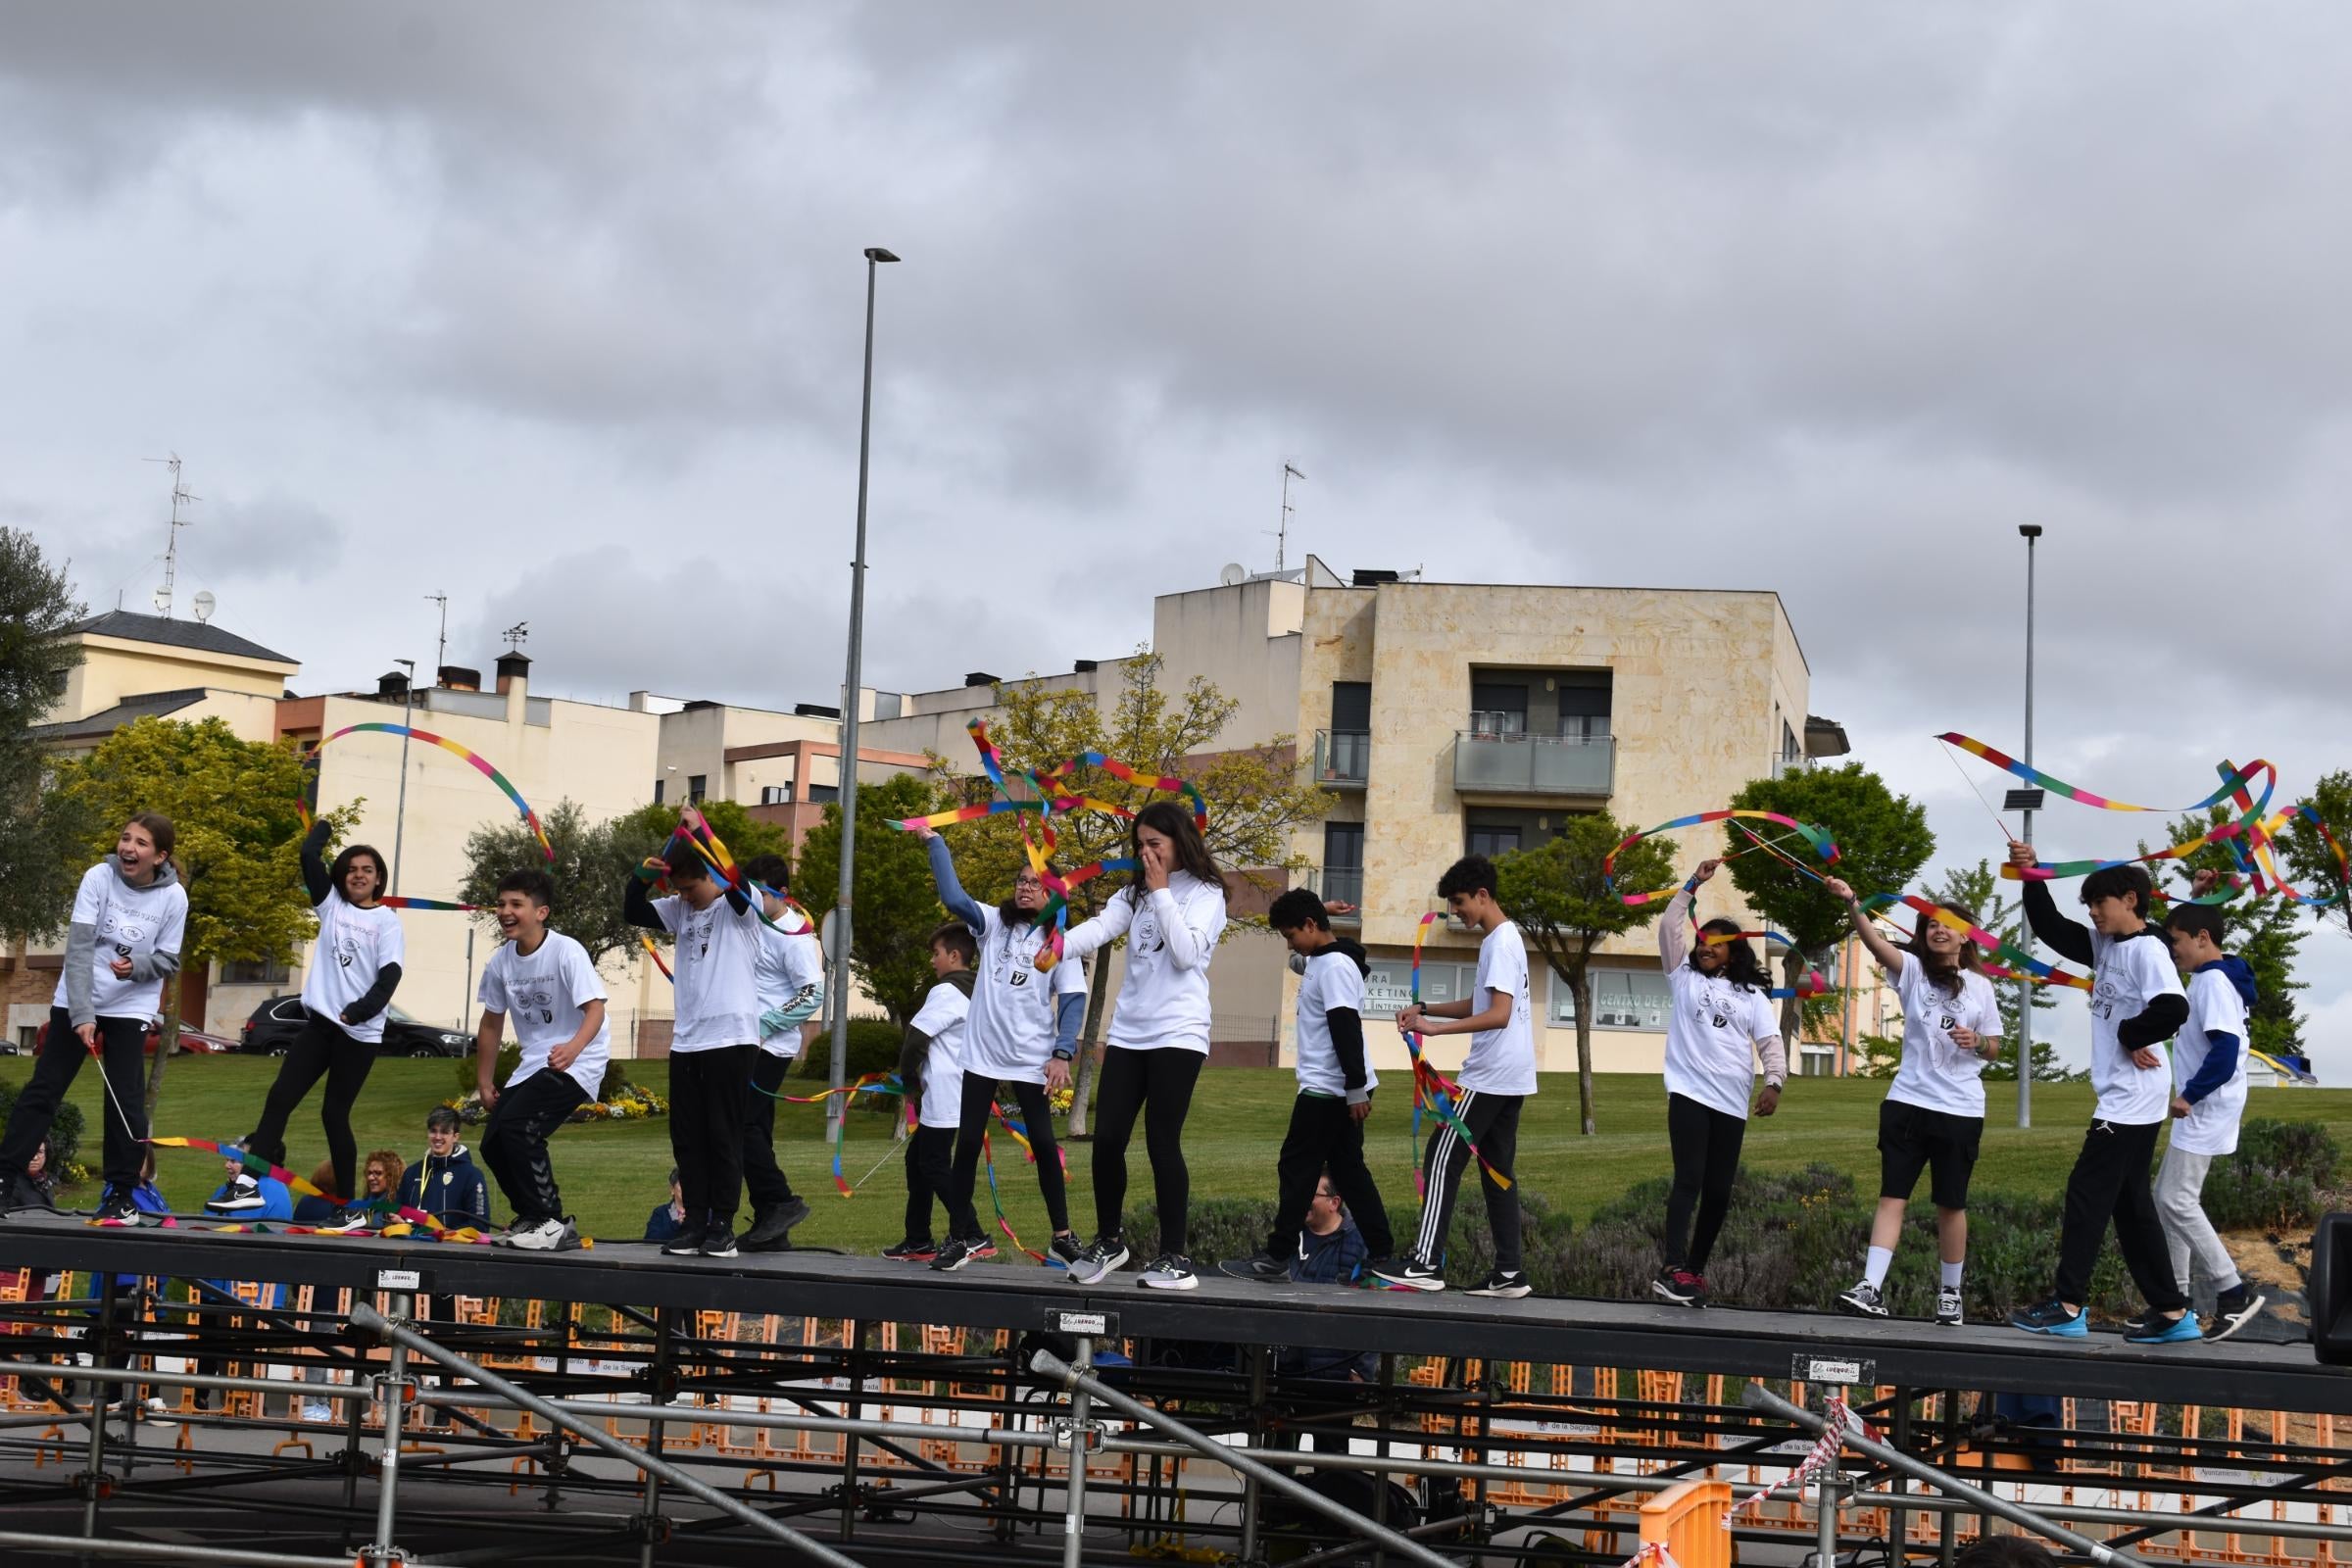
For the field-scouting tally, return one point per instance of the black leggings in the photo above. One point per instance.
(1037, 1121)
(1158, 1084)
(1706, 1158)
(121, 1043)
(322, 1050)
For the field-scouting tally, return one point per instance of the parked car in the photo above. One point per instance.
(195, 1040)
(278, 1019)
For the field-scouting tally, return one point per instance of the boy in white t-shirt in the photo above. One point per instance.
(2135, 1005)
(713, 1040)
(544, 983)
(931, 1073)
(1495, 1079)
(791, 980)
(2209, 1072)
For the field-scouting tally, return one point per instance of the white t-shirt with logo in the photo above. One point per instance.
(1010, 1035)
(789, 963)
(716, 969)
(1936, 1074)
(128, 922)
(2130, 974)
(354, 946)
(942, 1016)
(2214, 1008)
(1712, 1039)
(1162, 1003)
(1332, 981)
(542, 995)
(1501, 1061)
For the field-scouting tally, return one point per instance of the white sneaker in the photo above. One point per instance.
(1171, 1271)
(1947, 1305)
(1097, 1260)
(548, 1236)
(318, 1410)
(1865, 1300)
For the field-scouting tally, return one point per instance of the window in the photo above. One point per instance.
(657, 783)
(1811, 1063)
(244, 972)
(1493, 841)
(1585, 704)
(28, 1036)
(694, 786)
(1351, 706)
(823, 794)
(1622, 999)
(1342, 862)
(1792, 754)
(776, 794)
(1497, 707)
(1389, 986)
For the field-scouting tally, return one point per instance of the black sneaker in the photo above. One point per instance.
(243, 1196)
(1101, 1256)
(116, 1208)
(771, 1228)
(346, 1221)
(1171, 1271)
(1067, 1249)
(688, 1243)
(1509, 1284)
(719, 1244)
(1413, 1274)
(1681, 1287)
(2051, 1317)
(1263, 1267)
(954, 1256)
(2233, 1309)
(912, 1252)
(1865, 1300)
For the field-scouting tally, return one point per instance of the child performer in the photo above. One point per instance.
(931, 1073)
(791, 980)
(2209, 1066)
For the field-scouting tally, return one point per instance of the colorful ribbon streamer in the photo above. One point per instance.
(1823, 845)
(1432, 1089)
(480, 763)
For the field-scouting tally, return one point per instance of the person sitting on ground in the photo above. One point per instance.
(667, 1219)
(1330, 1251)
(446, 1185)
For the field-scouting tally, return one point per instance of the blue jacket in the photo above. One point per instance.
(450, 1190)
(1334, 1259)
(277, 1203)
(2221, 1061)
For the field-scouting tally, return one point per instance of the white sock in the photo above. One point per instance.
(1882, 1259)
(1952, 1274)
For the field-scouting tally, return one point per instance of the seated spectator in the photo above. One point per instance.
(317, 1209)
(379, 1177)
(247, 1196)
(35, 1186)
(1331, 1252)
(667, 1219)
(446, 1185)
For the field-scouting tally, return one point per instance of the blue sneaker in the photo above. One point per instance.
(2183, 1330)
(2052, 1317)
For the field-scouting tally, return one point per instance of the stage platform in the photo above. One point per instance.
(1808, 1347)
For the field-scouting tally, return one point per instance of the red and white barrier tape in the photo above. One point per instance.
(1823, 1455)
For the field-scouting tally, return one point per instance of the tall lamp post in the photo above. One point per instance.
(837, 983)
(2026, 802)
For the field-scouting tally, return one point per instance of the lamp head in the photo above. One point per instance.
(2029, 530)
(876, 253)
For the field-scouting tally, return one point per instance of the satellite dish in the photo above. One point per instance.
(163, 601)
(1234, 574)
(204, 606)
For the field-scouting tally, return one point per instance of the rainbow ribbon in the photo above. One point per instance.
(997, 1202)
(253, 1163)
(479, 763)
(1432, 1088)
(1823, 845)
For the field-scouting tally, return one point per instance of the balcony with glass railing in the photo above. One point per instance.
(1343, 758)
(1492, 762)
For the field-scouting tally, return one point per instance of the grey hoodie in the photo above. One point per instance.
(81, 947)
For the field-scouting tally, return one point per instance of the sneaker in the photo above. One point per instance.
(244, 1194)
(547, 1236)
(719, 1242)
(1865, 1300)
(688, 1243)
(771, 1229)
(954, 1256)
(2233, 1309)
(2051, 1317)
(1947, 1305)
(1413, 1274)
(1681, 1287)
(116, 1208)
(1102, 1255)
(345, 1223)
(1261, 1267)
(1171, 1271)
(2158, 1330)
(318, 1410)
(980, 1246)
(1509, 1284)
(1065, 1249)
(910, 1252)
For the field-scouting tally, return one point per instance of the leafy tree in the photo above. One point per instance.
(39, 832)
(1879, 1055)
(591, 865)
(1556, 895)
(1883, 840)
(645, 830)
(1980, 888)
(896, 910)
(2266, 932)
(2304, 855)
(1257, 799)
(233, 804)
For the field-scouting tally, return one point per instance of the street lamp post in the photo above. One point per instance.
(846, 792)
(2031, 531)
(400, 812)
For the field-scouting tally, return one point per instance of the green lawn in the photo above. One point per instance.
(613, 1173)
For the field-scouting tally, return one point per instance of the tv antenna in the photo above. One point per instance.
(441, 654)
(517, 634)
(179, 498)
(1281, 535)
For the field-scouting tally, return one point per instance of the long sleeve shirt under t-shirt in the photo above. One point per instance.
(1018, 1015)
(716, 969)
(1331, 1027)
(1716, 1031)
(355, 946)
(116, 919)
(2135, 1002)
(2209, 1058)
(791, 980)
(1163, 1001)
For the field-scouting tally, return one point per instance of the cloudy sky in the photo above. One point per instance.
(557, 308)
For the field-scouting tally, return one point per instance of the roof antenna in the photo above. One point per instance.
(517, 634)
(179, 498)
(1282, 536)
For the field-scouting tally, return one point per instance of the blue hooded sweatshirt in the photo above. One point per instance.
(2220, 1060)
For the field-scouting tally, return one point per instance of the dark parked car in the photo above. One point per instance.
(195, 1040)
(277, 1020)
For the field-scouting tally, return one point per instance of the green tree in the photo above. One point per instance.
(1562, 905)
(897, 911)
(645, 830)
(2305, 856)
(2266, 932)
(1980, 888)
(1878, 1056)
(592, 864)
(233, 804)
(39, 834)
(1881, 838)
(1258, 798)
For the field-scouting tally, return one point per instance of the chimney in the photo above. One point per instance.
(457, 678)
(514, 683)
(392, 685)
(979, 678)
(1086, 666)
(1367, 577)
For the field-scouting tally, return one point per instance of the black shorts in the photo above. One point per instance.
(1912, 1137)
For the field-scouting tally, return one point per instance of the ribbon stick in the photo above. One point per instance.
(1432, 1088)
(997, 1202)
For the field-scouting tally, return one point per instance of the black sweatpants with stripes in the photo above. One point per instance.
(1493, 1122)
